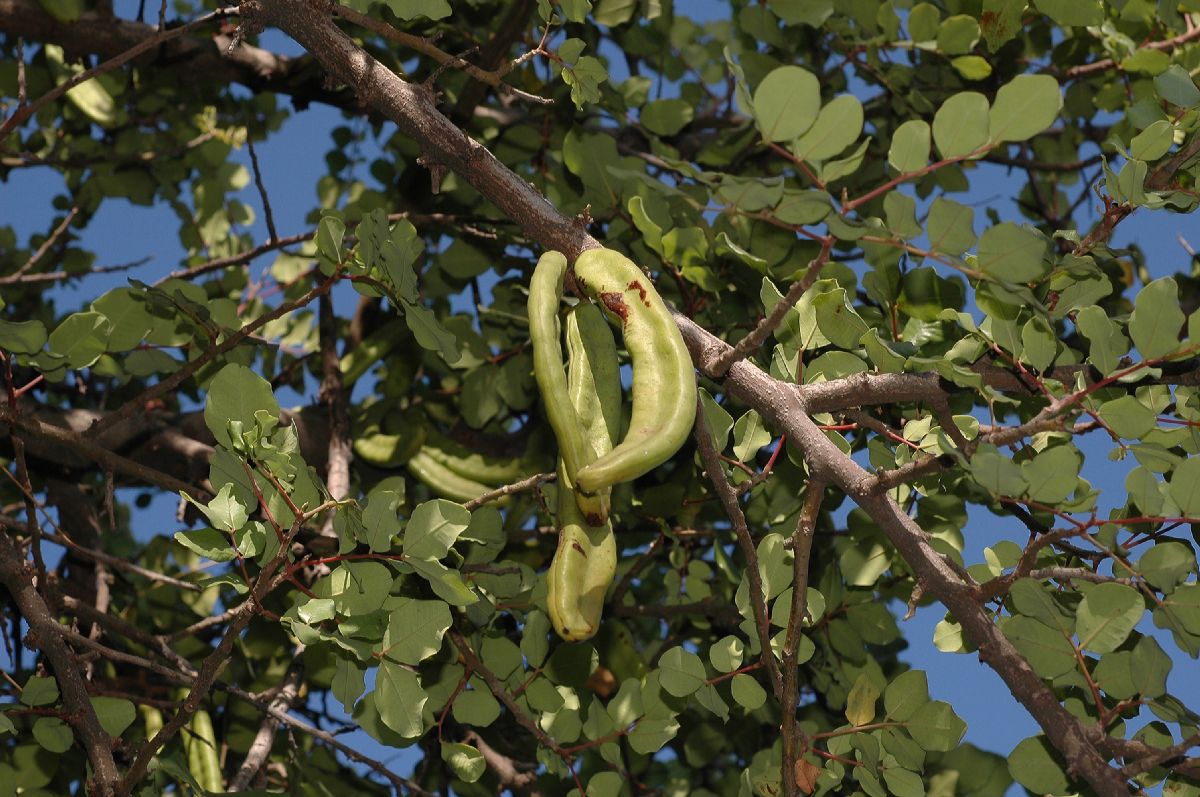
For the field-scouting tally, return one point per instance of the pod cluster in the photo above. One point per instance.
(582, 401)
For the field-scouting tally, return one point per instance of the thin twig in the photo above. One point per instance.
(262, 190)
(793, 736)
(45, 247)
(729, 500)
(23, 112)
(168, 384)
(766, 326)
(521, 486)
(426, 47)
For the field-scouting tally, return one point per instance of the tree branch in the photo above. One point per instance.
(44, 634)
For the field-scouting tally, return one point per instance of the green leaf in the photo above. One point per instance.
(786, 103)
(1031, 599)
(960, 126)
(838, 125)
(1167, 564)
(447, 584)
(81, 338)
(209, 543)
(430, 332)
(415, 630)
(1033, 764)
(22, 337)
(682, 672)
(235, 394)
(972, 67)
(1106, 615)
(1176, 86)
(433, 528)
(1024, 107)
(837, 320)
(936, 727)
(957, 34)
(951, 226)
(1107, 343)
(1157, 319)
(477, 706)
(1048, 650)
(1039, 343)
(1072, 13)
(1153, 142)
(53, 734)
(1185, 487)
(901, 212)
(907, 692)
(330, 232)
(666, 117)
(996, 473)
(1013, 253)
(614, 12)
(576, 10)
(1146, 61)
(115, 714)
(747, 691)
(1128, 417)
(349, 681)
(465, 761)
(923, 22)
(749, 435)
(803, 207)
(904, 783)
(584, 78)
(1149, 667)
(1000, 21)
(649, 735)
(1053, 473)
(400, 699)
(860, 702)
(726, 654)
(358, 587)
(411, 9)
(605, 784)
(910, 147)
(39, 691)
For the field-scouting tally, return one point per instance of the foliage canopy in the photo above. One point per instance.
(878, 355)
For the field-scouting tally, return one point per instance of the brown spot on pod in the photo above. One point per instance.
(615, 304)
(579, 548)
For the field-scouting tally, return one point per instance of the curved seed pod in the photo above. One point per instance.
(594, 388)
(545, 295)
(664, 382)
(584, 565)
(445, 482)
(485, 468)
(204, 764)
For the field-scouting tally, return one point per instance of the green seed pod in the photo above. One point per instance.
(484, 468)
(664, 382)
(445, 482)
(204, 763)
(545, 295)
(594, 387)
(583, 566)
